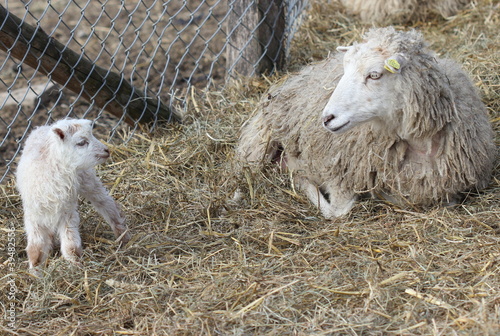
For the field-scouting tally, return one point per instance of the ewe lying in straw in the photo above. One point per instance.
(400, 123)
(384, 12)
(56, 166)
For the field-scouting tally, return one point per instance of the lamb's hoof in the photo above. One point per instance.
(75, 263)
(124, 238)
(36, 272)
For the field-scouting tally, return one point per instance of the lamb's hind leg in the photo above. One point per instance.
(331, 201)
(92, 189)
(40, 242)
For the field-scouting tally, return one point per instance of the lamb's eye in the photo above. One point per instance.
(374, 75)
(82, 143)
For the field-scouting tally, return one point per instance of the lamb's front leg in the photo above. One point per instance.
(92, 189)
(338, 203)
(71, 243)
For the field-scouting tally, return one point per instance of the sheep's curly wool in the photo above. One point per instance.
(438, 107)
(394, 11)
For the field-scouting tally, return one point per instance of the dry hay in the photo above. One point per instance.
(200, 265)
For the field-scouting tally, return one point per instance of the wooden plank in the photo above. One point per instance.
(255, 36)
(272, 34)
(107, 89)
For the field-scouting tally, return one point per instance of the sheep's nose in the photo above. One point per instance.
(327, 119)
(106, 150)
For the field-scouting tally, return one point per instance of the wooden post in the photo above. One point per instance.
(255, 36)
(107, 89)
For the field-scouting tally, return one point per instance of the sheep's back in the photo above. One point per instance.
(470, 139)
(296, 106)
(287, 106)
(383, 12)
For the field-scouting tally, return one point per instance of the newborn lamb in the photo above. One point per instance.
(56, 166)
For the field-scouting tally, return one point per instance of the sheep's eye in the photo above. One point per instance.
(82, 143)
(374, 75)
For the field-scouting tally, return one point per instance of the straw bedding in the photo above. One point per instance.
(199, 264)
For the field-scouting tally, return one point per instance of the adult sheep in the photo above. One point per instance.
(385, 12)
(57, 165)
(400, 123)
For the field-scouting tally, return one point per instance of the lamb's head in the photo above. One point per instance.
(76, 144)
(370, 87)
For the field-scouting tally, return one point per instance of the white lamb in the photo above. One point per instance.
(401, 124)
(397, 11)
(56, 166)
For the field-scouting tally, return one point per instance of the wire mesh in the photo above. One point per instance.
(158, 50)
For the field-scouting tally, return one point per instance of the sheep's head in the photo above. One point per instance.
(368, 88)
(77, 145)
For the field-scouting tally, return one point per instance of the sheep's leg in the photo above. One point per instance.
(71, 243)
(338, 203)
(92, 189)
(40, 242)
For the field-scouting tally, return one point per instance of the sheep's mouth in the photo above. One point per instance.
(103, 156)
(340, 127)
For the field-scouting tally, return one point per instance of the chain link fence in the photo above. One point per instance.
(122, 63)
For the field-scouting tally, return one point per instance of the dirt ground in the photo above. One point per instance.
(163, 48)
(200, 264)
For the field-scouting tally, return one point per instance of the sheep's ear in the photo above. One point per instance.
(59, 132)
(343, 49)
(395, 63)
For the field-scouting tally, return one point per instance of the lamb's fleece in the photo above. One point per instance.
(399, 11)
(436, 145)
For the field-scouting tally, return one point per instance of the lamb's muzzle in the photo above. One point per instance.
(105, 155)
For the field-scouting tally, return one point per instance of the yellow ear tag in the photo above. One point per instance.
(392, 64)
(389, 69)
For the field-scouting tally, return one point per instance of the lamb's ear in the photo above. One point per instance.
(343, 49)
(59, 132)
(395, 63)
